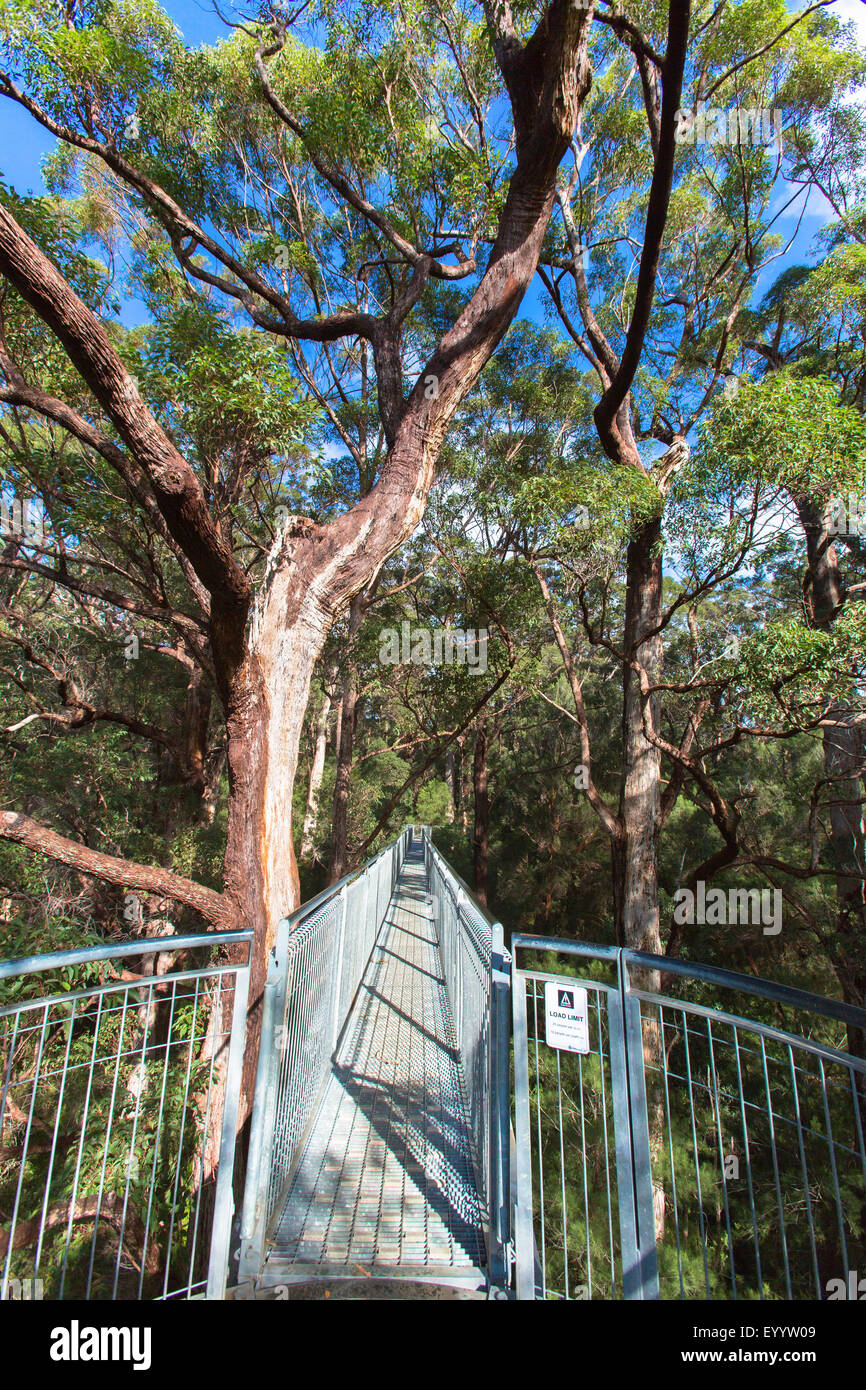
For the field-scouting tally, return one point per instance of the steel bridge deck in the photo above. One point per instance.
(385, 1181)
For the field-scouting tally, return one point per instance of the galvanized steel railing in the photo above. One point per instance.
(475, 967)
(689, 1152)
(118, 1111)
(314, 973)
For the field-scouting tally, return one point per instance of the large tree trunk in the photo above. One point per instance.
(843, 768)
(266, 703)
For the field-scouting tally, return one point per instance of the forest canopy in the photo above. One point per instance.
(442, 413)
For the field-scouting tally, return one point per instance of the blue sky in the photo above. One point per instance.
(24, 144)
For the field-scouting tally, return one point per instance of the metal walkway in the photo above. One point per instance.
(386, 1179)
(666, 1143)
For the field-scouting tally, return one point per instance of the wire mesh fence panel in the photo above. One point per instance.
(469, 941)
(465, 944)
(573, 1155)
(304, 1040)
(113, 1097)
(688, 1151)
(316, 971)
(758, 1157)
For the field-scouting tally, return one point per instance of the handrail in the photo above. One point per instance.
(142, 1075)
(683, 1094)
(141, 946)
(712, 974)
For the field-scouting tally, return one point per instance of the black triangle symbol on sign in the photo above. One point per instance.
(566, 999)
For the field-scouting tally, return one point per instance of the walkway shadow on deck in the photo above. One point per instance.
(411, 1131)
(425, 1130)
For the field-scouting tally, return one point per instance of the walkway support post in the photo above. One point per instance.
(500, 1113)
(218, 1262)
(254, 1213)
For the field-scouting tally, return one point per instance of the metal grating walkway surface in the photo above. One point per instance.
(385, 1180)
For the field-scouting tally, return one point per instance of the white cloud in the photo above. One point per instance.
(852, 9)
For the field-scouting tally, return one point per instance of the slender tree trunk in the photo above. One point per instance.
(463, 784)
(450, 782)
(346, 751)
(635, 854)
(317, 771)
(482, 812)
(216, 761)
(338, 728)
(195, 728)
(635, 861)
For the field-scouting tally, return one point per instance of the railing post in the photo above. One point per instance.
(524, 1243)
(499, 1112)
(341, 944)
(218, 1262)
(644, 1281)
(458, 959)
(254, 1215)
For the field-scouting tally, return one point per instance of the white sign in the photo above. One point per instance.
(566, 1016)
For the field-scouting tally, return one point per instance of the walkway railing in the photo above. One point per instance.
(475, 965)
(314, 973)
(671, 1140)
(115, 1092)
(685, 1150)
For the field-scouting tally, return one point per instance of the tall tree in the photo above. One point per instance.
(178, 136)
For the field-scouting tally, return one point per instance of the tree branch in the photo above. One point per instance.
(214, 907)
